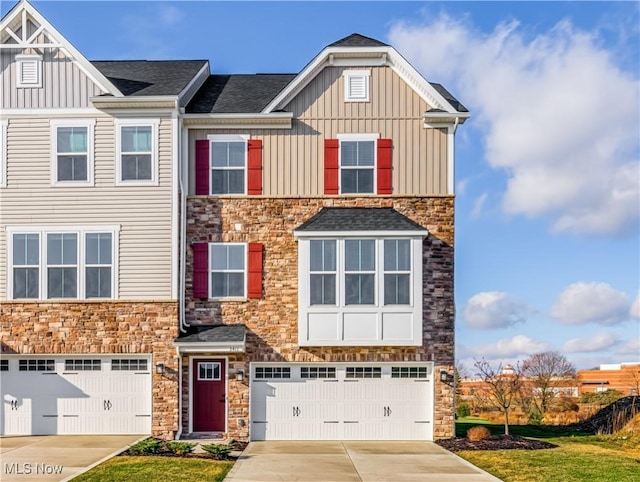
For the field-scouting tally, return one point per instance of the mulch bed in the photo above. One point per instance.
(503, 442)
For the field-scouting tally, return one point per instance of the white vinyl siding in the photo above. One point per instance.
(144, 215)
(3, 153)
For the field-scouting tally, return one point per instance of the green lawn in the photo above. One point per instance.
(579, 456)
(155, 468)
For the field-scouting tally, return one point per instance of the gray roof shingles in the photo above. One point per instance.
(357, 40)
(455, 103)
(213, 334)
(359, 219)
(149, 77)
(239, 94)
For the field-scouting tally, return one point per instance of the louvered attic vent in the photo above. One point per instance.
(356, 85)
(29, 70)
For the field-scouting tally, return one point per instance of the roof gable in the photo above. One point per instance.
(359, 219)
(23, 25)
(358, 50)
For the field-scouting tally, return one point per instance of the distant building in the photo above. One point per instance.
(624, 377)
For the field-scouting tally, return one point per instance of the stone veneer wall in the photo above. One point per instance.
(272, 321)
(102, 327)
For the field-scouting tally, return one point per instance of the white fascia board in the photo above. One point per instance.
(61, 42)
(276, 120)
(361, 234)
(197, 347)
(136, 102)
(198, 78)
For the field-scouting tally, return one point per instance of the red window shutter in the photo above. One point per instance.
(384, 166)
(203, 172)
(201, 270)
(331, 167)
(254, 271)
(254, 167)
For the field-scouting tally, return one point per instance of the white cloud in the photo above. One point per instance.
(516, 347)
(478, 205)
(631, 347)
(634, 312)
(598, 342)
(495, 309)
(582, 303)
(561, 118)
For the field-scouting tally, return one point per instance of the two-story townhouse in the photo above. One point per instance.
(89, 233)
(319, 219)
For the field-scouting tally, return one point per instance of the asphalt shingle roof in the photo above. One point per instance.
(239, 93)
(149, 77)
(213, 334)
(359, 219)
(455, 103)
(357, 40)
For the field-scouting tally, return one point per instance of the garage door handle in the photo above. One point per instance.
(107, 405)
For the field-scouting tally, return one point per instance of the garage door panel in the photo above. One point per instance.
(347, 405)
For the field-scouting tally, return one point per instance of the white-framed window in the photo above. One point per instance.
(228, 163)
(356, 85)
(62, 262)
(29, 71)
(3, 152)
(227, 270)
(137, 151)
(209, 371)
(358, 163)
(363, 288)
(72, 152)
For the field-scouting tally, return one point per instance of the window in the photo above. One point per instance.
(273, 372)
(62, 263)
(397, 271)
(208, 371)
(137, 151)
(227, 270)
(3, 153)
(78, 365)
(228, 164)
(36, 365)
(72, 147)
(356, 85)
(29, 71)
(357, 163)
(317, 372)
(323, 272)
(4, 365)
(26, 265)
(98, 265)
(129, 364)
(360, 271)
(409, 372)
(364, 372)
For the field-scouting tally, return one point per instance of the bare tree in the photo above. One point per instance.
(546, 372)
(500, 387)
(632, 378)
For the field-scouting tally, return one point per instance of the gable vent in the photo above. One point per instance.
(356, 85)
(29, 71)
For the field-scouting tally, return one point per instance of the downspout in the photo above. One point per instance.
(456, 123)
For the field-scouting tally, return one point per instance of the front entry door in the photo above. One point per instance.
(209, 396)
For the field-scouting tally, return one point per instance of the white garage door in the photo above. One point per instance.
(72, 395)
(342, 402)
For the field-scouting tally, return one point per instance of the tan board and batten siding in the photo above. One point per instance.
(64, 85)
(143, 212)
(293, 159)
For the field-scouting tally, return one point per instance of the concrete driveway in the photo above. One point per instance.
(56, 457)
(353, 461)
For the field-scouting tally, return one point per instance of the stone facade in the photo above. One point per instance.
(272, 321)
(102, 327)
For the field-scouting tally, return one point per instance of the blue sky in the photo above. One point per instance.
(547, 168)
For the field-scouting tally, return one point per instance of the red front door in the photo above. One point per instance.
(209, 396)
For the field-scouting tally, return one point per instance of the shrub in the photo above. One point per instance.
(601, 398)
(534, 417)
(478, 433)
(148, 446)
(463, 410)
(218, 451)
(180, 448)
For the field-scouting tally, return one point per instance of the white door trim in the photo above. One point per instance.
(226, 388)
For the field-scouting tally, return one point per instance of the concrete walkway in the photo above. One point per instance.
(352, 461)
(56, 457)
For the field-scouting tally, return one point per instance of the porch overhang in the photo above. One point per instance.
(213, 339)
